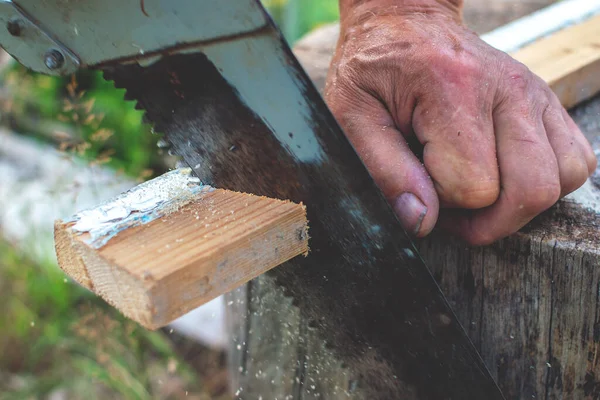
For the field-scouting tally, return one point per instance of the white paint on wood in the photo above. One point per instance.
(139, 205)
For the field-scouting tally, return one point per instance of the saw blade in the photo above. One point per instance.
(244, 115)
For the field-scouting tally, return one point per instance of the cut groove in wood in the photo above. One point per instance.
(568, 60)
(172, 244)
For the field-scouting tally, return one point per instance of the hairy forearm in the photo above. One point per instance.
(452, 8)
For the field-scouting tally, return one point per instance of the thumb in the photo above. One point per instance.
(397, 171)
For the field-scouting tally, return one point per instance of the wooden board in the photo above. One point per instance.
(172, 244)
(569, 61)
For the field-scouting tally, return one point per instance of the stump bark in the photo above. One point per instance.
(530, 303)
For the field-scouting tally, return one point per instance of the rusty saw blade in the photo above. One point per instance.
(243, 114)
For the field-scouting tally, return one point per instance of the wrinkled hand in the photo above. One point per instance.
(497, 146)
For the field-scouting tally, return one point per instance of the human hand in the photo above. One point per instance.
(497, 146)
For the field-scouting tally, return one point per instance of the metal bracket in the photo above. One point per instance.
(92, 33)
(31, 45)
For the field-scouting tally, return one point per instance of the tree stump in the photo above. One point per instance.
(530, 303)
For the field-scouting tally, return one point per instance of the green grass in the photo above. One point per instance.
(56, 336)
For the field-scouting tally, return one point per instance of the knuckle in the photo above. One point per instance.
(360, 71)
(352, 64)
(592, 163)
(535, 199)
(470, 66)
(451, 61)
(451, 68)
(518, 71)
(518, 78)
(466, 176)
(573, 174)
(473, 194)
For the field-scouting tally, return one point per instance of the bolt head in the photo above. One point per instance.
(15, 27)
(54, 59)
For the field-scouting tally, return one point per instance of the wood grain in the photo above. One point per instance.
(156, 272)
(569, 61)
(529, 302)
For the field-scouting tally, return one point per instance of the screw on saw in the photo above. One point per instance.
(15, 27)
(54, 59)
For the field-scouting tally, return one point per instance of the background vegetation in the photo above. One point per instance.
(56, 340)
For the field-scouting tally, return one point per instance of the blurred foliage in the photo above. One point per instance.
(84, 115)
(297, 17)
(58, 338)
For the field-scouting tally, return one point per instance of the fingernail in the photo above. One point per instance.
(411, 212)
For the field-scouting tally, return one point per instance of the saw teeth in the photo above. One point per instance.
(130, 97)
(109, 76)
(134, 93)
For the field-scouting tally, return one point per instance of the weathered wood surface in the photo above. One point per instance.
(530, 303)
(172, 244)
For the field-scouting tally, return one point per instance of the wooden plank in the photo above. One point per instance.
(569, 61)
(172, 244)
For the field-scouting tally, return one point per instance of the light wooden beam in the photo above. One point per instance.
(568, 60)
(172, 244)
(542, 23)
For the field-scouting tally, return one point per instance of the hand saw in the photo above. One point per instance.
(218, 80)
